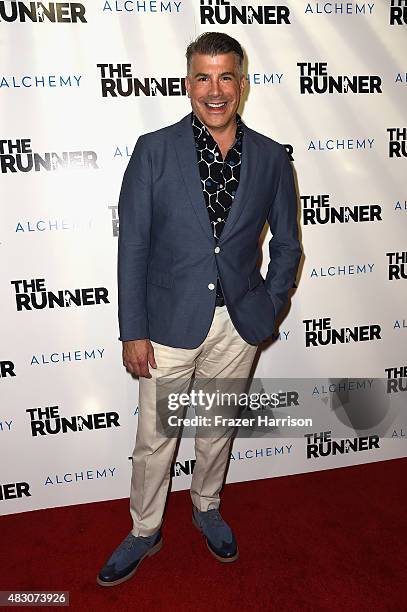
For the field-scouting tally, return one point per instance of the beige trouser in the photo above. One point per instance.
(223, 354)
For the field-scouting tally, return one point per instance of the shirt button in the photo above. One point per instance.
(217, 249)
(211, 286)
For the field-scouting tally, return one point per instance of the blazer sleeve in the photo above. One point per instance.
(284, 247)
(135, 213)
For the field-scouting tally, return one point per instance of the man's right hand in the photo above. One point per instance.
(137, 354)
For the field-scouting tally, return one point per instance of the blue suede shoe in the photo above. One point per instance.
(219, 536)
(127, 557)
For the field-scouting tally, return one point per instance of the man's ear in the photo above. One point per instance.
(242, 84)
(187, 85)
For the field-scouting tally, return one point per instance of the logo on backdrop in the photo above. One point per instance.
(339, 8)
(183, 468)
(317, 210)
(52, 225)
(90, 354)
(73, 477)
(353, 269)
(264, 78)
(398, 12)
(290, 151)
(396, 379)
(319, 332)
(400, 324)
(142, 6)
(401, 77)
(261, 453)
(401, 205)
(115, 220)
(118, 80)
(397, 265)
(397, 142)
(314, 79)
(399, 433)
(14, 490)
(50, 12)
(7, 369)
(32, 294)
(47, 421)
(18, 156)
(341, 144)
(225, 11)
(6, 425)
(322, 445)
(35, 80)
(123, 151)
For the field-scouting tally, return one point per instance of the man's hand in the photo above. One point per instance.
(137, 354)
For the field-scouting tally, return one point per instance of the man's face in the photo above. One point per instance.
(215, 86)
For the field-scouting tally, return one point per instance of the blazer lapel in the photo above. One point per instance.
(248, 172)
(186, 154)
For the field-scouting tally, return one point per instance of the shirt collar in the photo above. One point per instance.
(200, 128)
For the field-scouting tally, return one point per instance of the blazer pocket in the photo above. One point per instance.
(162, 279)
(255, 279)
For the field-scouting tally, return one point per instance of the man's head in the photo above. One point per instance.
(215, 79)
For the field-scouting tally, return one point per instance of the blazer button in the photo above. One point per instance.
(211, 286)
(217, 250)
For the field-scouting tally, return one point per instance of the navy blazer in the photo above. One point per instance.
(167, 264)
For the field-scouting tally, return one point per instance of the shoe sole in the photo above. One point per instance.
(155, 549)
(221, 559)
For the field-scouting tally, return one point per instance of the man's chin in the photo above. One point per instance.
(217, 119)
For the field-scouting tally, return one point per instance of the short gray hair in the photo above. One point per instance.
(215, 43)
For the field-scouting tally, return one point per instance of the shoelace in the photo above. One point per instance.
(213, 516)
(130, 541)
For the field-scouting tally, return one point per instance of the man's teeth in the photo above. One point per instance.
(213, 105)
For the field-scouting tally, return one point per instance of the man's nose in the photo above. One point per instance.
(215, 89)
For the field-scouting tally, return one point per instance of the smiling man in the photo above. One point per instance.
(192, 302)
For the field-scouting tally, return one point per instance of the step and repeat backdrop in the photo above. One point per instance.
(79, 83)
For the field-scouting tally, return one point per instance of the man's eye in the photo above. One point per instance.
(202, 78)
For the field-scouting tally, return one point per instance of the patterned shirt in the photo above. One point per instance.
(219, 177)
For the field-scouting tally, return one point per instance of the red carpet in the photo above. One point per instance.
(332, 540)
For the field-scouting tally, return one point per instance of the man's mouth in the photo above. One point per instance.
(216, 105)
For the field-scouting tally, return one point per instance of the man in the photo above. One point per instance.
(194, 200)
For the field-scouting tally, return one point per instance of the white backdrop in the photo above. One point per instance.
(59, 227)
